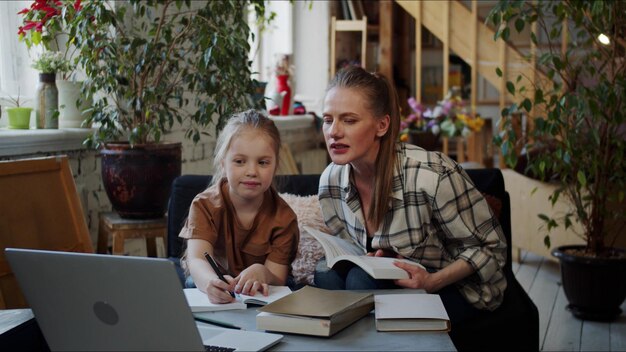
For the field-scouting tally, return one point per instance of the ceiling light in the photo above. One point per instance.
(604, 39)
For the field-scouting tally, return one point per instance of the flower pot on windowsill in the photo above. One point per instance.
(19, 118)
(70, 115)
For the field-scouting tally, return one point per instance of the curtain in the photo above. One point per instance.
(16, 72)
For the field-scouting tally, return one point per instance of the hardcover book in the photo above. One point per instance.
(315, 311)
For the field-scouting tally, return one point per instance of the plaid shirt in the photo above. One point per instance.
(436, 216)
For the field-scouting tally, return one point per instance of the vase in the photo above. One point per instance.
(285, 91)
(46, 109)
(70, 113)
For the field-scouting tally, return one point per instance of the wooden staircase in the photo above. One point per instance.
(461, 30)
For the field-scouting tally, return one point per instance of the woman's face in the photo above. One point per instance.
(351, 131)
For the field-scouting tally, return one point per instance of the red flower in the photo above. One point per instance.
(23, 12)
(77, 5)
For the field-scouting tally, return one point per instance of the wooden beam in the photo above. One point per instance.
(333, 49)
(446, 47)
(385, 62)
(418, 52)
(474, 143)
(503, 90)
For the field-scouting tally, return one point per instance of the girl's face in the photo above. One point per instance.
(351, 131)
(250, 164)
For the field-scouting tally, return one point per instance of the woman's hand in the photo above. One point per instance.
(418, 277)
(252, 280)
(384, 253)
(218, 291)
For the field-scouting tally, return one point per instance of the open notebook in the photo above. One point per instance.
(199, 302)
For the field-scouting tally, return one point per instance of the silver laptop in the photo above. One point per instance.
(103, 302)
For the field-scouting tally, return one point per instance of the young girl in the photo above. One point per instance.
(240, 220)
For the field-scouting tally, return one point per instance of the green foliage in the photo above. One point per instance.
(152, 63)
(580, 113)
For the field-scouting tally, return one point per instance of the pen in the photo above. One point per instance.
(216, 322)
(217, 270)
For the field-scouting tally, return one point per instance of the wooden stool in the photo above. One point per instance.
(120, 229)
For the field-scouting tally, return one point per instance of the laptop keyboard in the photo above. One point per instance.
(211, 348)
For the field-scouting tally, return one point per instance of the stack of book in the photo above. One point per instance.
(315, 311)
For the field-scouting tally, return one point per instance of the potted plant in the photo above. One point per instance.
(578, 141)
(449, 118)
(45, 26)
(18, 115)
(150, 64)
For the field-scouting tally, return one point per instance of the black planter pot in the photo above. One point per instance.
(138, 180)
(424, 139)
(594, 287)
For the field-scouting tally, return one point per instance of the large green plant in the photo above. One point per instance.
(151, 63)
(579, 111)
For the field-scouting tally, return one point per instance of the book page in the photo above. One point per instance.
(199, 302)
(276, 292)
(334, 246)
(337, 249)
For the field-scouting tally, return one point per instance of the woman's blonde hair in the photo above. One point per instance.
(383, 100)
(238, 123)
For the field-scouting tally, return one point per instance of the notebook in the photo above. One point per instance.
(112, 303)
(199, 302)
(411, 312)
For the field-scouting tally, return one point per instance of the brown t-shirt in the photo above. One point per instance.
(273, 235)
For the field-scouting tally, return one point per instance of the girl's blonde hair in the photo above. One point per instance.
(382, 100)
(237, 124)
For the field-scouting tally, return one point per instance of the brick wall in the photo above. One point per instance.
(196, 159)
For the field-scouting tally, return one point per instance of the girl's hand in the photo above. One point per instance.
(418, 277)
(252, 280)
(218, 291)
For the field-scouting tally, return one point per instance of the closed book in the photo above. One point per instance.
(199, 302)
(337, 250)
(315, 311)
(410, 312)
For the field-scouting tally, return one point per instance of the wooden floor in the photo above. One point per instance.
(558, 329)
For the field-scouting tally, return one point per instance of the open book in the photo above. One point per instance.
(199, 302)
(410, 312)
(338, 249)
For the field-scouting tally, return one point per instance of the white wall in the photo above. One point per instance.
(311, 49)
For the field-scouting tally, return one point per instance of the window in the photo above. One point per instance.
(15, 71)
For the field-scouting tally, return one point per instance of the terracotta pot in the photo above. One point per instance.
(594, 287)
(138, 180)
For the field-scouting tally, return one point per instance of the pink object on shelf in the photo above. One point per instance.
(284, 90)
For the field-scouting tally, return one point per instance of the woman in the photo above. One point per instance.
(394, 199)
